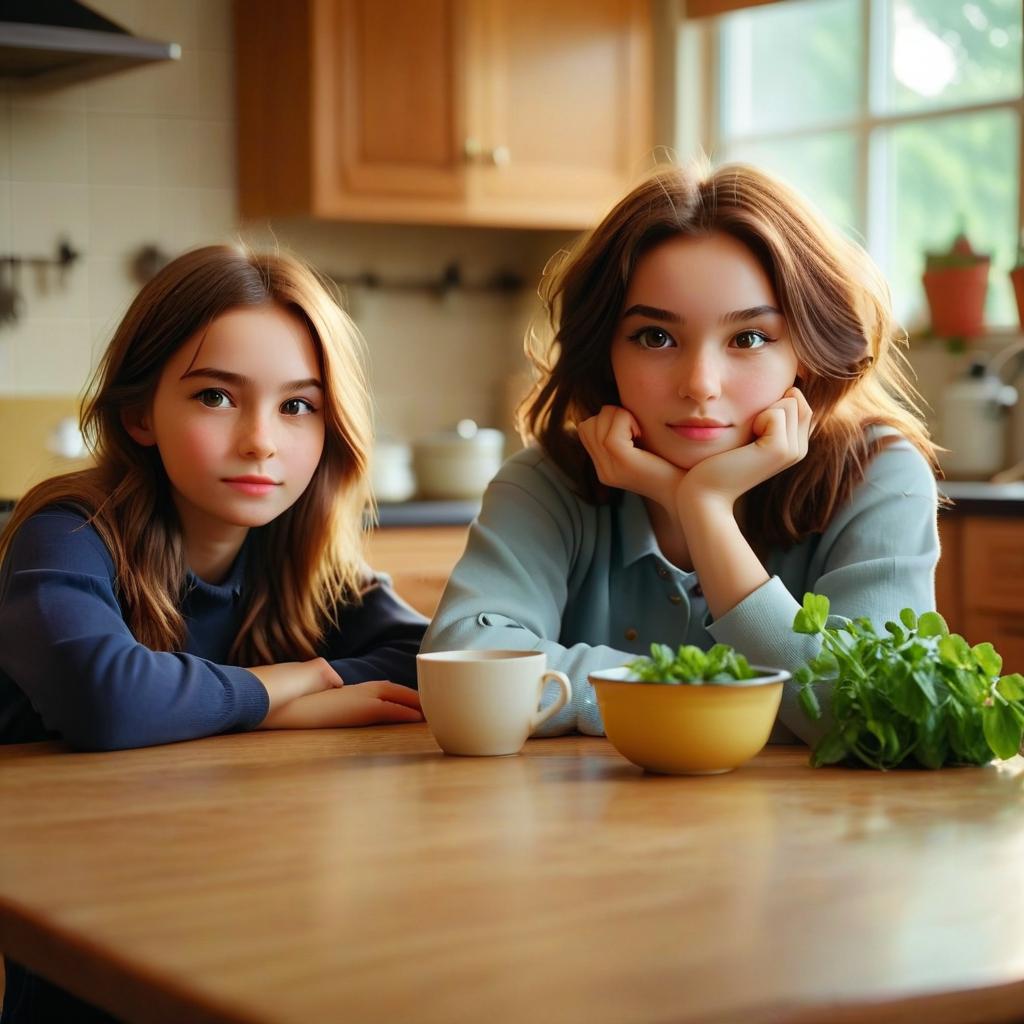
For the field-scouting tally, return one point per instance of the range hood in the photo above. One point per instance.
(53, 42)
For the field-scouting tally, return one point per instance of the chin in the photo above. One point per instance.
(685, 464)
(249, 520)
(686, 461)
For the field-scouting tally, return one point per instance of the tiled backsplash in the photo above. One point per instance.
(141, 157)
(147, 156)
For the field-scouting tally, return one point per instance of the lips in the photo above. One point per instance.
(255, 486)
(699, 429)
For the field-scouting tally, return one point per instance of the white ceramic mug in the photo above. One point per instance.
(485, 702)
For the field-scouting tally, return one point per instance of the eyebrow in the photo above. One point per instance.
(653, 313)
(667, 316)
(751, 314)
(225, 376)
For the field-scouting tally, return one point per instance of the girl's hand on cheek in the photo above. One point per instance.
(610, 440)
(781, 435)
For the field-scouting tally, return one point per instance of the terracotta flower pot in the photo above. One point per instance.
(956, 299)
(1017, 277)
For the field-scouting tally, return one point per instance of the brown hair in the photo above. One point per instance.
(304, 562)
(835, 301)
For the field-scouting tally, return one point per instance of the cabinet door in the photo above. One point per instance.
(512, 113)
(993, 567)
(388, 87)
(1004, 632)
(948, 573)
(993, 561)
(558, 107)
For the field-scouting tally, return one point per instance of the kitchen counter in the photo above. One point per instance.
(427, 513)
(979, 498)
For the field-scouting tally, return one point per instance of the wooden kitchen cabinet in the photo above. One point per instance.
(418, 559)
(520, 113)
(980, 582)
(993, 586)
(948, 587)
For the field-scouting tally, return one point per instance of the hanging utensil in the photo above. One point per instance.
(10, 298)
(10, 277)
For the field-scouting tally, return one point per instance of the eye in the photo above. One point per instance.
(751, 340)
(297, 407)
(653, 337)
(213, 398)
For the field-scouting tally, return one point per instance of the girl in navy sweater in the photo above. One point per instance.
(206, 575)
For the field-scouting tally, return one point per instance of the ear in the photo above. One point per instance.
(139, 424)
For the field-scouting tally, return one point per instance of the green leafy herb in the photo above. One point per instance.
(917, 693)
(690, 664)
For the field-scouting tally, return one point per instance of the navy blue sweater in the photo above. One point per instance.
(71, 669)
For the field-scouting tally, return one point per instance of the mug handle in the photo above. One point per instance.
(540, 717)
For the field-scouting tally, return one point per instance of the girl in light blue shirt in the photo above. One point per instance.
(721, 422)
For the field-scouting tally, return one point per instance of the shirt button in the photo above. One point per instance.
(663, 572)
(676, 598)
(631, 634)
(697, 592)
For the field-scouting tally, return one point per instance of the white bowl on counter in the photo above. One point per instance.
(459, 463)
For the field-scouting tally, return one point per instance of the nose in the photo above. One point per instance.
(256, 439)
(700, 378)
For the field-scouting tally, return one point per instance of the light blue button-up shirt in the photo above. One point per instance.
(588, 585)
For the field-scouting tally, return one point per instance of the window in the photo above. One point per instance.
(901, 119)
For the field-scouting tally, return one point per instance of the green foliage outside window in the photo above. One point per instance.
(793, 100)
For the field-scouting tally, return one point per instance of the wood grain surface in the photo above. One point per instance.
(360, 875)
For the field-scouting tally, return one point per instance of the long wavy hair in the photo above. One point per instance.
(301, 566)
(853, 370)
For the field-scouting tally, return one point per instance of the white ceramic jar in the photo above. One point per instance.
(391, 472)
(458, 464)
(974, 413)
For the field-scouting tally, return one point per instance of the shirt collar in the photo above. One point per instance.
(638, 538)
(230, 586)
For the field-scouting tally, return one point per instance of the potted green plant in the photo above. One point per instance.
(955, 283)
(1017, 280)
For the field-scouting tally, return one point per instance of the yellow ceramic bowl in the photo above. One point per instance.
(688, 730)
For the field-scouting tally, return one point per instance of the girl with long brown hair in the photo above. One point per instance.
(721, 422)
(206, 574)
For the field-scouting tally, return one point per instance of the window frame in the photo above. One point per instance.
(698, 120)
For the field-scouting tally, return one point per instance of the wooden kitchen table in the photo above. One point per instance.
(359, 875)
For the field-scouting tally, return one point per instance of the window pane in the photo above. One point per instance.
(789, 65)
(944, 173)
(952, 52)
(822, 167)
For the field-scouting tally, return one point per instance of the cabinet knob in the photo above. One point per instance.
(472, 149)
(501, 156)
